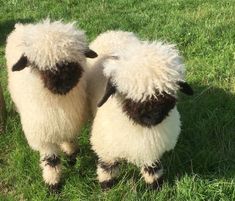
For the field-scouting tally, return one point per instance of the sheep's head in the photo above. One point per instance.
(145, 78)
(57, 51)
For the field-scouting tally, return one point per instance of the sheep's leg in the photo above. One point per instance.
(107, 172)
(71, 150)
(51, 167)
(153, 175)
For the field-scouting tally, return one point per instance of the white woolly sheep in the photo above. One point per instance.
(140, 121)
(46, 64)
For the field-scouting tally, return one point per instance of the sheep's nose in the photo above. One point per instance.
(151, 119)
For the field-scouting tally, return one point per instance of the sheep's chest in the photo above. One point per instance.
(46, 116)
(115, 136)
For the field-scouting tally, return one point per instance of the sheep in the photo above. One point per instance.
(46, 65)
(137, 118)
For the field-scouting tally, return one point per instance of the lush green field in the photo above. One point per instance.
(202, 166)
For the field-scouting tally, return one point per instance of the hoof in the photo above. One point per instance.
(72, 159)
(156, 185)
(55, 188)
(106, 185)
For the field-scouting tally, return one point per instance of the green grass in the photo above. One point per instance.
(202, 166)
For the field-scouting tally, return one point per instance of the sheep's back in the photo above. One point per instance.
(106, 44)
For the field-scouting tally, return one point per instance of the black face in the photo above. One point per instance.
(150, 112)
(63, 79)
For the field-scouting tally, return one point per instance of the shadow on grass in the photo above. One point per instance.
(206, 146)
(7, 26)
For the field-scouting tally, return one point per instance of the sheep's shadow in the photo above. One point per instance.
(206, 146)
(7, 26)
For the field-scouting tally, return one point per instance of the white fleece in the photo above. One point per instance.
(47, 43)
(138, 69)
(46, 118)
(105, 45)
(141, 69)
(114, 136)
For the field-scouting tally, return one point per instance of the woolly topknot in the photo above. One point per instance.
(110, 41)
(48, 43)
(141, 70)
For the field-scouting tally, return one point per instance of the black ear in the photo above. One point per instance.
(20, 64)
(110, 89)
(90, 53)
(185, 88)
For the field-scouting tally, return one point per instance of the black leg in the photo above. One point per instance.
(107, 172)
(51, 160)
(51, 172)
(72, 159)
(55, 188)
(153, 175)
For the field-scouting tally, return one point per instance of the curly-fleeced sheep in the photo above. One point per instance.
(136, 91)
(46, 64)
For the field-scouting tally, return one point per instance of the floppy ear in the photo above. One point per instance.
(20, 64)
(185, 88)
(110, 90)
(90, 53)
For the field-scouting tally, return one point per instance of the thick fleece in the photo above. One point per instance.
(106, 45)
(47, 43)
(147, 67)
(48, 119)
(114, 136)
(137, 69)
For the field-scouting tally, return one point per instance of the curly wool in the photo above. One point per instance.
(137, 69)
(47, 43)
(47, 119)
(153, 67)
(106, 44)
(114, 136)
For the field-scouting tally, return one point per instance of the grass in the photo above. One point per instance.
(202, 166)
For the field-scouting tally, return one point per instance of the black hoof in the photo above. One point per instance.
(55, 188)
(156, 185)
(72, 159)
(51, 160)
(106, 185)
